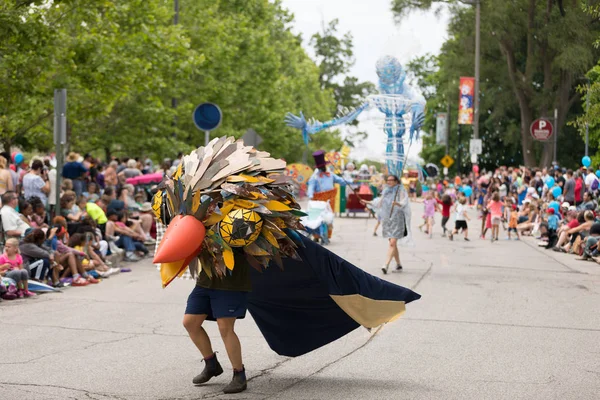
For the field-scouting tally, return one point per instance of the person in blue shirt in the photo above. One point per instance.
(321, 187)
(75, 171)
(552, 219)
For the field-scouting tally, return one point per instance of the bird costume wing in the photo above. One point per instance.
(226, 197)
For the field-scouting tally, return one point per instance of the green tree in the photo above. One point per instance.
(545, 48)
(256, 71)
(26, 44)
(591, 117)
(335, 57)
(123, 62)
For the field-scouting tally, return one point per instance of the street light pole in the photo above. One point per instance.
(477, 57)
(175, 22)
(587, 125)
(477, 4)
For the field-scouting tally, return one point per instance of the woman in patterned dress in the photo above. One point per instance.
(395, 219)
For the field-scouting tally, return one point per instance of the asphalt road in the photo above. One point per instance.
(496, 321)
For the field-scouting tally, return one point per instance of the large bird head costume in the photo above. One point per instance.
(225, 197)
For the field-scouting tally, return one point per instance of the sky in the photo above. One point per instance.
(375, 34)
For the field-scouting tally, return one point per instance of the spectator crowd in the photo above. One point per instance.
(558, 206)
(77, 235)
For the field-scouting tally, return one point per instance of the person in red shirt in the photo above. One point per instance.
(446, 203)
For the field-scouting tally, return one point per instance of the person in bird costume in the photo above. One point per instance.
(234, 224)
(321, 187)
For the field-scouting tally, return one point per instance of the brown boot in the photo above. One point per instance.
(211, 368)
(238, 382)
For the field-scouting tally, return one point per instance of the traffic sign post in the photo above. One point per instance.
(447, 161)
(207, 117)
(475, 146)
(541, 129)
(60, 137)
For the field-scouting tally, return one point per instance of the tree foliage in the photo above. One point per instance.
(335, 57)
(123, 62)
(545, 49)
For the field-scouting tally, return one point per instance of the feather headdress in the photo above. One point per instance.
(222, 197)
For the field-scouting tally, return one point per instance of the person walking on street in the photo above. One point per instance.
(461, 219)
(395, 219)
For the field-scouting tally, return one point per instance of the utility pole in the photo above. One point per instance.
(175, 22)
(60, 138)
(587, 125)
(448, 119)
(459, 150)
(556, 135)
(477, 4)
(477, 57)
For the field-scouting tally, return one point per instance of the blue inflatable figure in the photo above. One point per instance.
(400, 104)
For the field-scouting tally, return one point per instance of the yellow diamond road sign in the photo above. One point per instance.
(447, 161)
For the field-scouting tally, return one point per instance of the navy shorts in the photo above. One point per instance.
(217, 303)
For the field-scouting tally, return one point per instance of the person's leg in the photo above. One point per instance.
(562, 238)
(193, 325)
(139, 246)
(103, 247)
(197, 310)
(392, 249)
(126, 243)
(589, 242)
(36, 269)
(146, 223)
(68, 260)
(376, 227)
(397, 258)
(15, 275)
(109, 231)
(25, 280)
(55, 274)
(98, 263)
(231, 341)
(430, 225)
(77, 188)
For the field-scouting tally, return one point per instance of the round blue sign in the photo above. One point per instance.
(207, 116)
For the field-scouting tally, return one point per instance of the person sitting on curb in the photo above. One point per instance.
(12, 223)
(128, 239)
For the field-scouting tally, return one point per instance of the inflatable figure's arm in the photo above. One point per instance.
(314, 126)
(418, 119)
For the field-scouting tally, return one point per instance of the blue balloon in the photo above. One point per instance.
(556, 191)
(550, 182)
(586, 161)
(425, 188)
(467, 191)
(19, 158)
(598, 173)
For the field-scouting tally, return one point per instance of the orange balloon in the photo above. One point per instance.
(182, 240)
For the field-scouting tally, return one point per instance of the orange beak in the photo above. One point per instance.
(180, 244)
